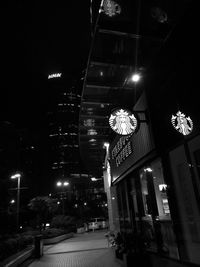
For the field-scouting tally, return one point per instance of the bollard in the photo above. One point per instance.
(38, 246)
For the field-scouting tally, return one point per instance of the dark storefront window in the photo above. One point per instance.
(148, 204)
(124, 213)
(144, 209)
(184, 161)
(156, 222)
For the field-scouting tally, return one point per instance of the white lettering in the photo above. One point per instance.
(54, 75)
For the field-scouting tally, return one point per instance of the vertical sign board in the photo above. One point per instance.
(127, 149)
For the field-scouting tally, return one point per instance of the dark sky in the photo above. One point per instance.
(37, 40)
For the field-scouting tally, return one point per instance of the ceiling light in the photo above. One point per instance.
(135, 77)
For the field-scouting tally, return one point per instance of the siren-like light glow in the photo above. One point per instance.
(54, 75)
(123, 122)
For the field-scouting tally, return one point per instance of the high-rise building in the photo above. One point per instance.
(64, 160)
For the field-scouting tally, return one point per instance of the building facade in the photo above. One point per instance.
(155, 171)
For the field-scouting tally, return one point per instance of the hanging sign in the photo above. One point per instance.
(181, 123)
(123, 122)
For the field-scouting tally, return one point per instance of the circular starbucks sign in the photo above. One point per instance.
(123, 122)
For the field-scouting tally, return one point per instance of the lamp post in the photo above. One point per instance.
(17, 176)
(62, 184)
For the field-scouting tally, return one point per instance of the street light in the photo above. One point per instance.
(17, 176)
(63, 184)
(135, 77)
(12, 201)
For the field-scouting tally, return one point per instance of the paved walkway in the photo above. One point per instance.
(83, 250)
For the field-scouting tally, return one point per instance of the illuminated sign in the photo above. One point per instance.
(121, 150)
(111, 8)
(54, 75)
(123, 122)
(181, 123)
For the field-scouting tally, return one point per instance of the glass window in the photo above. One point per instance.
(156, 222)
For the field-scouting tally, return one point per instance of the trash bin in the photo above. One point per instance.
(38, 246)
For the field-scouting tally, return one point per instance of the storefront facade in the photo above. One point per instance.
(157, 191)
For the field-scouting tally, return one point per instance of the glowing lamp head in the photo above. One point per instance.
(16, 176)
(106, 145)
(66, 183)
(135, 77)
(58, 183)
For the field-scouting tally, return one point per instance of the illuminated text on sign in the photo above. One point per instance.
(121, 150)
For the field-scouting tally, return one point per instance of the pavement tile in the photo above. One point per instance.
(83, 250)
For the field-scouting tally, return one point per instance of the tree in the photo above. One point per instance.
(44, 207)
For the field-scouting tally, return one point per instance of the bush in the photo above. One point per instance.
(12, 245)
(62, 221)
(53, 232)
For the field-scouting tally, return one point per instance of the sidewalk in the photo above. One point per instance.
(83, 250)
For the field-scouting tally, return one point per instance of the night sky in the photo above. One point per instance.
(38, 40)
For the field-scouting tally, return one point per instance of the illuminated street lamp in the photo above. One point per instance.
(17, 176)
(12, 201)
(63, 184)
(135, 77)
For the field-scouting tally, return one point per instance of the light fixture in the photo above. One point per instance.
(106, 145)
(148, 169)
(135, 77)
(59, 184)
(92, 140)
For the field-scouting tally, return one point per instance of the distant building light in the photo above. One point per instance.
(84, 175)
(89, 122)
(54, 75)
(148, 170)
(92, 140)
(162, 187)
(92, 132)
